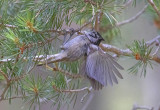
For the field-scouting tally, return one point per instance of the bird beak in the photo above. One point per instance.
(102, 39)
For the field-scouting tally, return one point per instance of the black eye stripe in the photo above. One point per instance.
(93, 35)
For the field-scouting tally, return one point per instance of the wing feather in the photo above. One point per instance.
(103, 68)
(113, 61)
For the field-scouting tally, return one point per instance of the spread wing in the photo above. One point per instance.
(102, 67)
(96, 85)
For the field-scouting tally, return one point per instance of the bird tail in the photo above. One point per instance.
(95, 84)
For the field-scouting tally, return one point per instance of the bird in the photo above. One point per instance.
(99, 67)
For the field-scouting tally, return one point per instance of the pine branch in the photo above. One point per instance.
(106, 47)
(125, 52)
(116, 50)
(9, 83)
(154, 7)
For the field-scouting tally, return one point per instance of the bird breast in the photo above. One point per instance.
(76, 48)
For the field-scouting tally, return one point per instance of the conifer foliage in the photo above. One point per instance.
(33, 30)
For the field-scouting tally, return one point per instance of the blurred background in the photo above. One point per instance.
(133, 89)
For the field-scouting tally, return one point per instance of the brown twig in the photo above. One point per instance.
(5, 76)
(154, 7)
(96, 27)
(15, 97)
(18, 78)
(4, 91)
(83, 26)
(99, 15)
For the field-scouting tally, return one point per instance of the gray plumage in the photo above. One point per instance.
(76, 48)
(98, 66)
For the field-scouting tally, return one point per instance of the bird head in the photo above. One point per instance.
(94, 37)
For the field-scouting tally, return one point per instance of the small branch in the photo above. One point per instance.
(5, 76)
(130, 20)
(60, 32)
(86, 24)
(8, 25)
(154, 40)
(99, 15)
(127, 3)
(85, 95)
(154, 7)
(88, 101)
(156, 58)
(18, 78)
(16, 97)
(3, 93)
(137, 107)
(157, 49)
(53, 58)
(133, 18)
(125, 52)
(70, 90)
(96, 27)
(110, 48)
